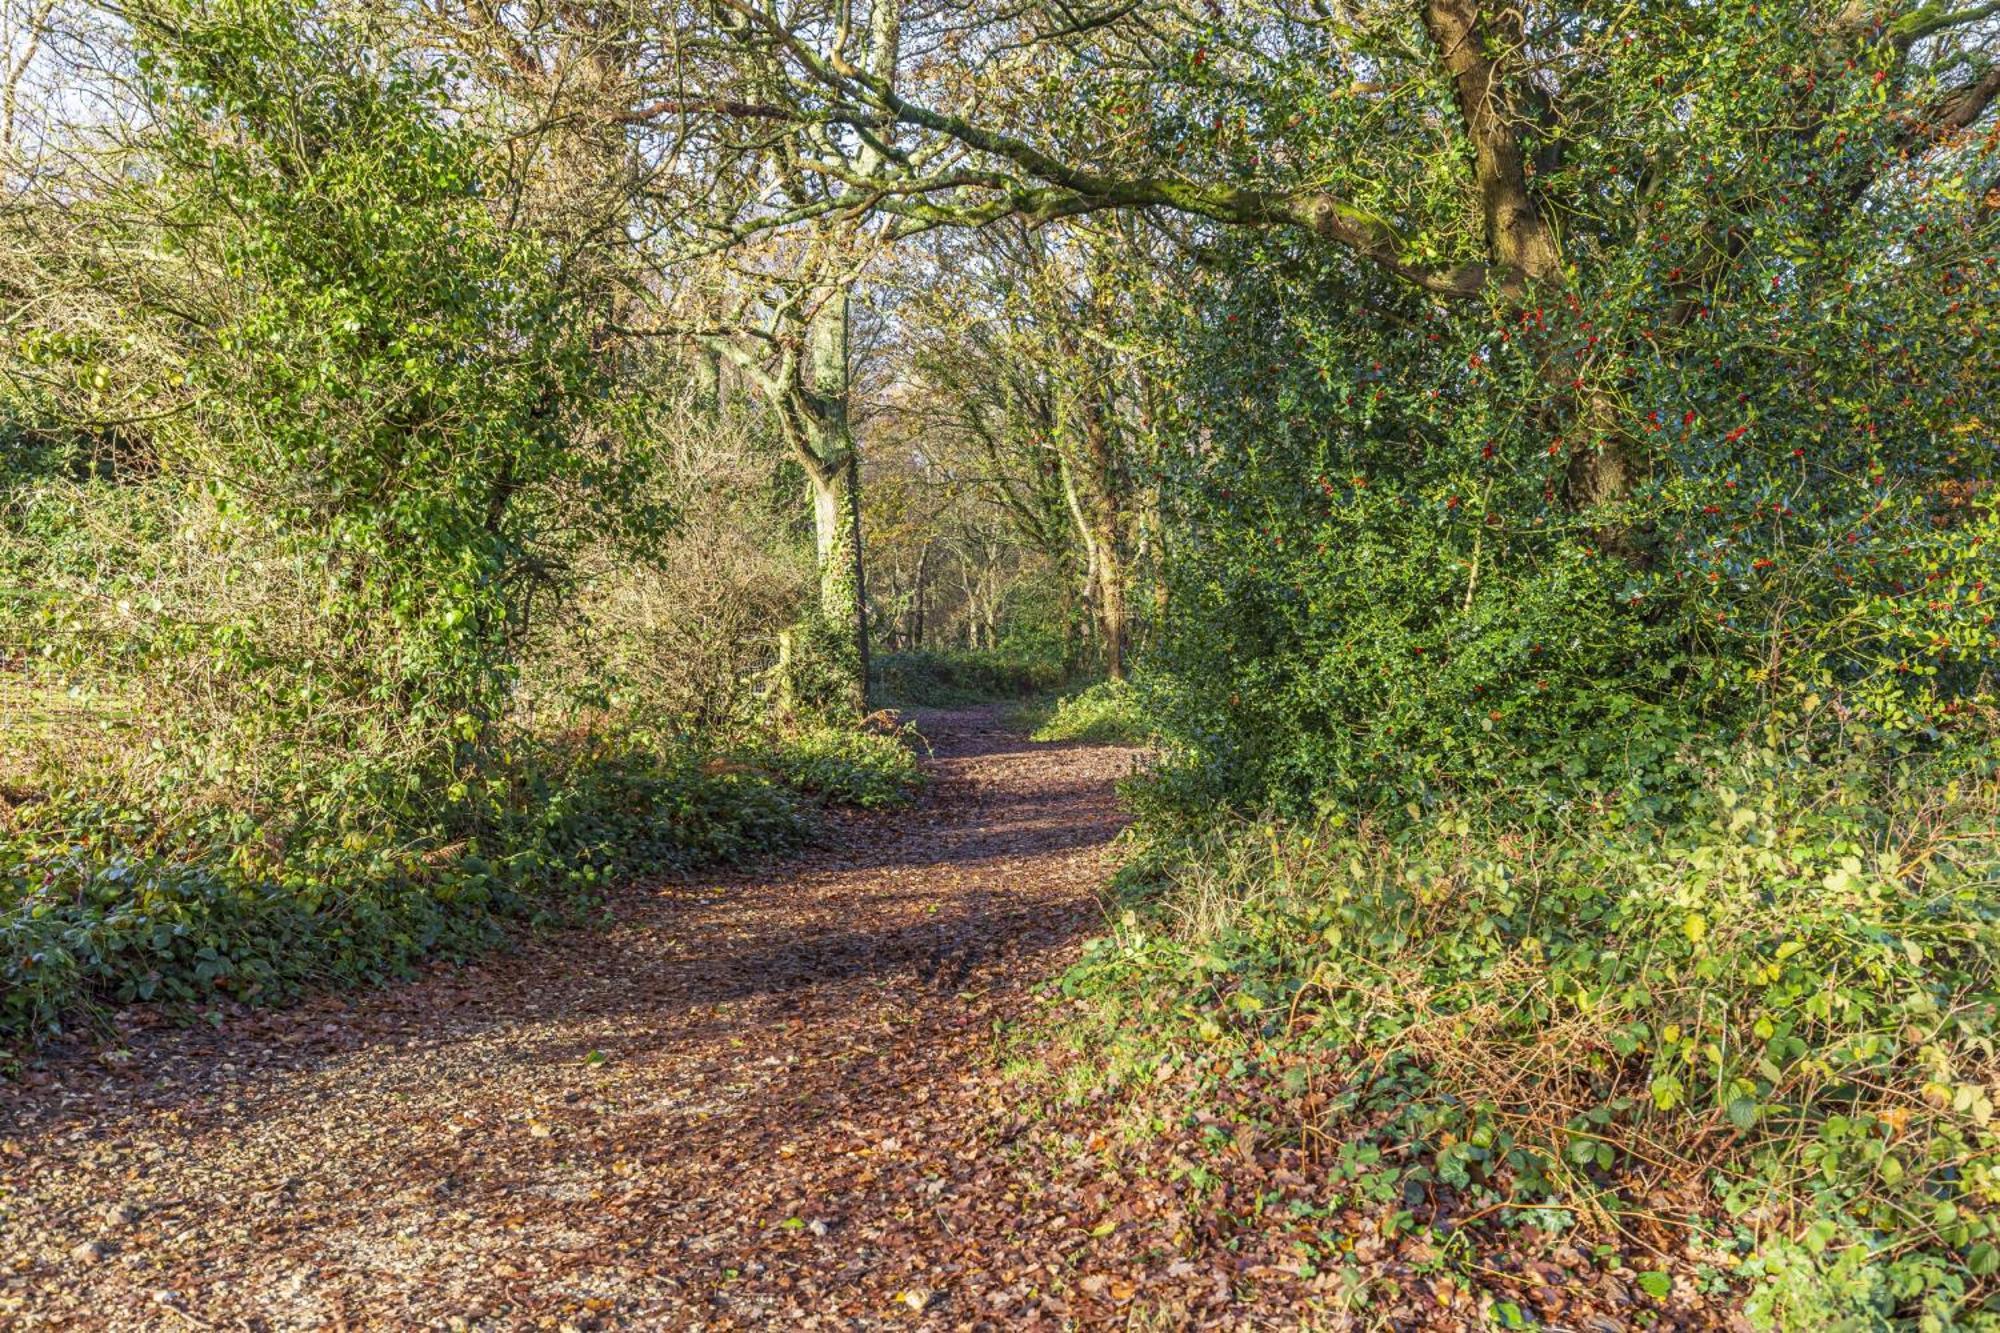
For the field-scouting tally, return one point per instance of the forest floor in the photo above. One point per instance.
(764, 1099)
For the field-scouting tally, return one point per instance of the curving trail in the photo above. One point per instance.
(767, 1100)
(725, 1110)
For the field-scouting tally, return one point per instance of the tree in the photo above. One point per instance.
(789, 325)
(1030, 347)
(783, 323)
(1488, 156)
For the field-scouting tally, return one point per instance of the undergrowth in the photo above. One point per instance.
(1107, 713)
(859, 768)
(1768, 979)
(107, 901)
(949, 679)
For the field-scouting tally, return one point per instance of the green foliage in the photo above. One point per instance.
(1035, 622)
(1610, 636)
(350, 652)
(1106, 713)
(1632, 823)
(374, 419)
(1615, 647)
(1785, 986)
(860, 768)
(1394, 573)
(944, 679)
(106, 903)
(819, 668)
(406, 380)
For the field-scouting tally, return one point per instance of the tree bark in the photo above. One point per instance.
(860, 572)
(1526, 254)
(1100, 521)
(1111, 613)
(836, 568)
(818, 423)
(1523, 248)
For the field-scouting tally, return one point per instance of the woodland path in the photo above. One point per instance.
(758, 1100)
(772, 1099)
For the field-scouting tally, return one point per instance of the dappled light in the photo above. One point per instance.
(1142, 664)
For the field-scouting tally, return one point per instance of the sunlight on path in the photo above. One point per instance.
(696, 1116)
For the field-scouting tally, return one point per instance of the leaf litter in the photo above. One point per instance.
(770, 1098)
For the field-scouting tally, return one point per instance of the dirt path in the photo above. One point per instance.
(756, 1101)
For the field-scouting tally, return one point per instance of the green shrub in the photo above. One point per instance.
(1779, 990)
(1391, 573)
(1105, 713)
(941, 680)
(818, 671)
(851, 767)
(100, 902)
(151, 898)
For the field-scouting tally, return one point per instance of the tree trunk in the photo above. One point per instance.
(991, 599)
(1066, 613)
(1090, 585)
(1098, 503)
(830, 546)
(833, 466)
(708, 382)
(1472, 41)
(1111, 616)
(860, 573)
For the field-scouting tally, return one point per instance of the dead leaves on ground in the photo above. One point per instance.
(767, 1100)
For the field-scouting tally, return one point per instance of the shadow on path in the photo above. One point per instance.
(389, 1158)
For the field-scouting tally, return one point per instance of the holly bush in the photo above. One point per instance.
(1629, 836)
(1392, 572)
